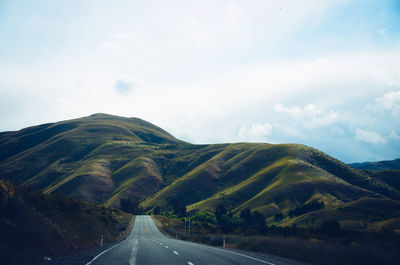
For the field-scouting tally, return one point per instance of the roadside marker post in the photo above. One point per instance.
(223, 242)
(102, 240)
(187, 226)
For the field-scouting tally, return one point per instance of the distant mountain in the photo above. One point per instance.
(34, 225)
(380, 165)
(104, 158)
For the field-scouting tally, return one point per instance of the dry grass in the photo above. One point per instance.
(312, 246)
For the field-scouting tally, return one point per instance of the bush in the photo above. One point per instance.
(278, 217)
(131, 205)
(204, 217)
(306, 208)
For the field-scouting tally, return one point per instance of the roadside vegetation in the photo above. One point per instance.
(36, 226)
(325, 244)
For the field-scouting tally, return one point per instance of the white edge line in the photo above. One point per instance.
(249, 257)
(263, 261)
(90, 262)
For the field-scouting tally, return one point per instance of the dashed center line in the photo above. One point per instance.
(190, 263)
(166, 246)
(176, 253)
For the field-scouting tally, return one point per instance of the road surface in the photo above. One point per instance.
(146, 245)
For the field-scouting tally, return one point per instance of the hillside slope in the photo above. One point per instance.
(34, 225)
(379, 165)
(89, 158)
(104, 158)
(271, 179)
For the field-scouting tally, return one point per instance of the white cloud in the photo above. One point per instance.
(393, 135)
(111, 46)
(121, 36)
(233, 15)
(114, 41)
(369, 137)
(309, 116)
(338, 131)
(191, 28)
(391, 101)
(388, 75)
(212, 69)
(255, 132)
(309, 110)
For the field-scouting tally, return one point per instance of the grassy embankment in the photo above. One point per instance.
(34, 225)
(324, 245)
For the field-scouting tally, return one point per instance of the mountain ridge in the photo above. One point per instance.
(104, 158)
(378, 165)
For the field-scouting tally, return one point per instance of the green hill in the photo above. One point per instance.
(380, 165)
(277, 179)
(94, 159)
(104, 158)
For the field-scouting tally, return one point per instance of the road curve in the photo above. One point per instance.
(146, 245)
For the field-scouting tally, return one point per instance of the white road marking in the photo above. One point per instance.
(130, 236)
(231, 252)
(249, 257)
(132, 260)
(90, 262)
(166, 246)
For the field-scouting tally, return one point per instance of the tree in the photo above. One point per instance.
(219, 212)
(278, 217)
(246, 215)
(156, 210)
(177, 206)
(258, 219)
(331, 227)
(131, 205)
(306, 208)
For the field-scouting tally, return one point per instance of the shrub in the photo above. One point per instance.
(204, 217)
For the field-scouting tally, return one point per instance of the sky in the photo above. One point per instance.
(325, 73)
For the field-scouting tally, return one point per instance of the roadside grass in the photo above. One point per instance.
(34, 225)
(307, 245)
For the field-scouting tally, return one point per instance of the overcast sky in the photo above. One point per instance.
(321, 73)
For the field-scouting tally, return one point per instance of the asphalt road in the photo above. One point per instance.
(146, 245)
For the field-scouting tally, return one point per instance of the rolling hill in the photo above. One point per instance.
(104, 158)
(380, 165)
